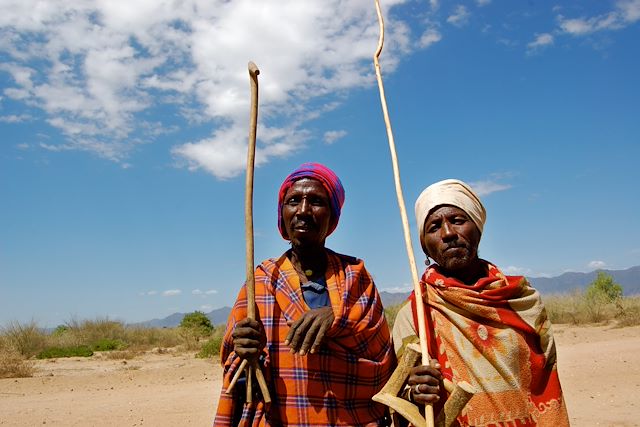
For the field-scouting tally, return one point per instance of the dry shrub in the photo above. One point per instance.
(122, 355)
(629, 312)
(91, 331)
(14, 365)
(391, 312)
(145, 338)
(580, 308)
(26, 339)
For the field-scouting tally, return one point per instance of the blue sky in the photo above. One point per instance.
(124, 126)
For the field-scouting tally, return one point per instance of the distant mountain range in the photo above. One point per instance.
(217, 317)
(565, 283)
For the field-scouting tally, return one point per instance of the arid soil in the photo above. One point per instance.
(599, 370)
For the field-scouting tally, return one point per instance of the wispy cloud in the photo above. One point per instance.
(333, 135)
(429, 37)
(594, 265)
(513, 270)
(96, 68)
(171, 293)
(484, 188)
(13, 118)
(625, 13)
(204, 293)
(482, 3)
(399, 289)
(459, 17)
(541, 40)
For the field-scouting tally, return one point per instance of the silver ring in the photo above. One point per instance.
(416, 389)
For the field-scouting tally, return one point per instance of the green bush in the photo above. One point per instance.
(76, 351)
(603, 289)
(198, 323)
(107, 344)
(212, 347)
(60, 330)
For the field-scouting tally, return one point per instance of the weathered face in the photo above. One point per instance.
(451, 238)
(306, 213)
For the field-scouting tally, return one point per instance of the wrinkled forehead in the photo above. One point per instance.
(305, 184)
(446, 210)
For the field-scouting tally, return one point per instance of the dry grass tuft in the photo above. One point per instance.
(26, 339)
(14, 365)
(122, 355)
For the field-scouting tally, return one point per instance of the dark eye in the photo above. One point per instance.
(317, 201)
(292, 201)
(459, 220)
(434, 226)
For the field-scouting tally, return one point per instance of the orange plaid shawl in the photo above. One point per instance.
(333, 386)
(496, 336)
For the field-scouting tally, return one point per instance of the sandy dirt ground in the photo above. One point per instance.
(599, 370)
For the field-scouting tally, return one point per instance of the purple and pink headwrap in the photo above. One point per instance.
(330, 182)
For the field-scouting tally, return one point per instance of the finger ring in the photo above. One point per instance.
(416, 389)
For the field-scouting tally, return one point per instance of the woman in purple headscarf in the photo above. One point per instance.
(320, 334)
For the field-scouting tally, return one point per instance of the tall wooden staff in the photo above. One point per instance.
(248, 223)
(403, 212)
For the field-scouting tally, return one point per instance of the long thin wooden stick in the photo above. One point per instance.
(248, 222)
(429, 419)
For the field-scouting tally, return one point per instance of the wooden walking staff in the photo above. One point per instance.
(403, 212)
(248, 222)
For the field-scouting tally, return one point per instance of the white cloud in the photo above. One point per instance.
(459, 17)
(333, 135)
(594, 265)
(513, 270)
(429, 37)
(484, 188)
(23, 146)
(13, 118)
(97, 67)
(206, 307)
(482, 3)
(399, 289)
(171, 292)
(625, 13)
(204, 293)
(540, 41)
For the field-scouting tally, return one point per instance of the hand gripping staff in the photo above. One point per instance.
(461, 392)
(248, 222)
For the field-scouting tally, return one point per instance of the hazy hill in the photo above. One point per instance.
(629, 279)
(217, 317)
(565, 283)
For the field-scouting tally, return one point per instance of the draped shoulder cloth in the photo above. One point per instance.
(333, 386)
(494, 335)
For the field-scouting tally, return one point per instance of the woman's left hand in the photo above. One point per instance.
(308, 332)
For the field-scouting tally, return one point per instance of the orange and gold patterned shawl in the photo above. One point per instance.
(333, 386)
(495, 335)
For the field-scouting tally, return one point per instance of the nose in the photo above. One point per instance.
(304, 206)
(447, 231)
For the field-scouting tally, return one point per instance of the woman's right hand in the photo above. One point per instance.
(249, 339)
(425, 381)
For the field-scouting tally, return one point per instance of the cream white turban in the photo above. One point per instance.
(450, 192)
